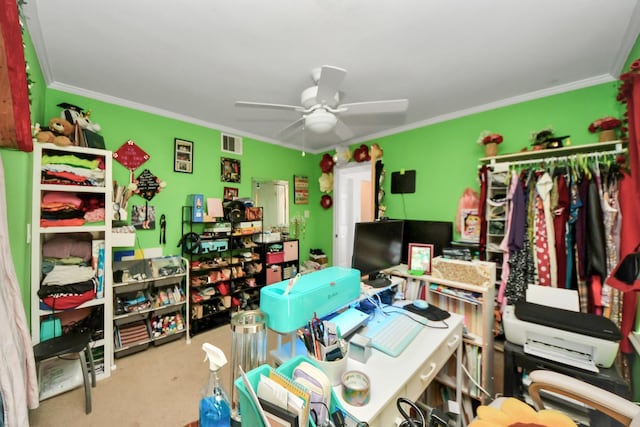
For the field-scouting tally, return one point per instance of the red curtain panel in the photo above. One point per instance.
(15, 121)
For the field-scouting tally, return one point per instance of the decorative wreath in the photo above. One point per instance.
(327, 163)
(515, 413)
(361, 154)
(326, 201)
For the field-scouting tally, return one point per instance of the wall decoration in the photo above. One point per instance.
(183, 156)
(326, 201)
(327, 163)
(361, 154)
(143, 217)
(131, 157)
(148, 185)
(300, 190)
(420, 257)
(230, 193)
(469, 225)
(229, 170)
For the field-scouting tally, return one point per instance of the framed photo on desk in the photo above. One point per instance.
(420, 256)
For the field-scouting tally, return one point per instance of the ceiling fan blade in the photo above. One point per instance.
(328, 84)
(343, 131)
(291, 128)
(374, 107)
(268, 105)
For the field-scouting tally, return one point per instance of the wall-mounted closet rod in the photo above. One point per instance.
(554, 159)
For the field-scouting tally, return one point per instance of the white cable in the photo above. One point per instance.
(464, 368)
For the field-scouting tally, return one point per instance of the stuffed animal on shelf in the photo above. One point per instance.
(58, 133)
(76, 115)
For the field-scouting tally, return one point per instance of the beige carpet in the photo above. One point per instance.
(160, 386)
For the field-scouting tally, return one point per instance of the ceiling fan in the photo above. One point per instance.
(321, 105)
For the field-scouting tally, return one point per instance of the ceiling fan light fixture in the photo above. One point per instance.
(320, 121)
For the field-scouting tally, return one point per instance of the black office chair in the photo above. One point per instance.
(68, 344)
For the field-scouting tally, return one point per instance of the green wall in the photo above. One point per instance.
(445, 156)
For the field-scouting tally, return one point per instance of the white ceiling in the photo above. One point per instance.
(191, 60)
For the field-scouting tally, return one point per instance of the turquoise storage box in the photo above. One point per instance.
(248, 410)
(321, 292)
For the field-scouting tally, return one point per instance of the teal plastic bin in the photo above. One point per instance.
(249, 411)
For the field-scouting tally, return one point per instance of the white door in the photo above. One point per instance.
(351, 192)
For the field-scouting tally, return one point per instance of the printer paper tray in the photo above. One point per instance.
(560, 355)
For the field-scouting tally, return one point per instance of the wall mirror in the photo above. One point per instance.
(273, 197)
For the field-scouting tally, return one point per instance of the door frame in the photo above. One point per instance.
(348, 199)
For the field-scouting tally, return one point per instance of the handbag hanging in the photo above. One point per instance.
(626, 275)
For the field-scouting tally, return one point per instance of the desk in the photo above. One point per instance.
(407, 375)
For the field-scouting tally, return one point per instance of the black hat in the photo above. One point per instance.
(556, 141)
(68, 106)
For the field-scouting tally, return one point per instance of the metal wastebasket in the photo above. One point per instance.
(248, 349)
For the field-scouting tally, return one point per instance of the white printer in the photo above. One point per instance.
(577, 339)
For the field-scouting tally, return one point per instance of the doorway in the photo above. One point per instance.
(352, 193)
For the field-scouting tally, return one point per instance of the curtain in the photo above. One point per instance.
(18, 383)
(629, 94)
(15, 127)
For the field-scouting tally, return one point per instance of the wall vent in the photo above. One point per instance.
(231, 143)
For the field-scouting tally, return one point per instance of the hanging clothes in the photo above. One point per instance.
(581, 247)
(544, 254)
(560, 219)
(483, 176)
(611, 220)
(521, 265)
(596, 258)
(504, 245)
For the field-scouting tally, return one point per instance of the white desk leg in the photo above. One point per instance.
(459, 383)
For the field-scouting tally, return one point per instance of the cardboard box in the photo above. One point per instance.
(290, 250)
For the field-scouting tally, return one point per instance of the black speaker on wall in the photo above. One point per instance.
(403, 182)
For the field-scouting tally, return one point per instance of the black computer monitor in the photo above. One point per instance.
(377, 246)
(438, 233)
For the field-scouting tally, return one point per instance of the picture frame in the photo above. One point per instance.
(300, 190)
(420, 256)
(182, 155)
(469, 225)
(230, 193)
(229, 170)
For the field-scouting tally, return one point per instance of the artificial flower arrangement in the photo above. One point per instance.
(487, 137)
(605, 123)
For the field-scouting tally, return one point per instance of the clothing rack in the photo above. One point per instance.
(567, 154)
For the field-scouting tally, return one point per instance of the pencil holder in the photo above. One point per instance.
(333, 369)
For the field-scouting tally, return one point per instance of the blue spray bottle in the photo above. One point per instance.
(215, 407)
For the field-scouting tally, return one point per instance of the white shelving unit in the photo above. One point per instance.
(466, 288)
(163, 296)
(100, 231)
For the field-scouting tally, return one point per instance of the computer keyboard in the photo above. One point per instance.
(392, 334)
(378, 282)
